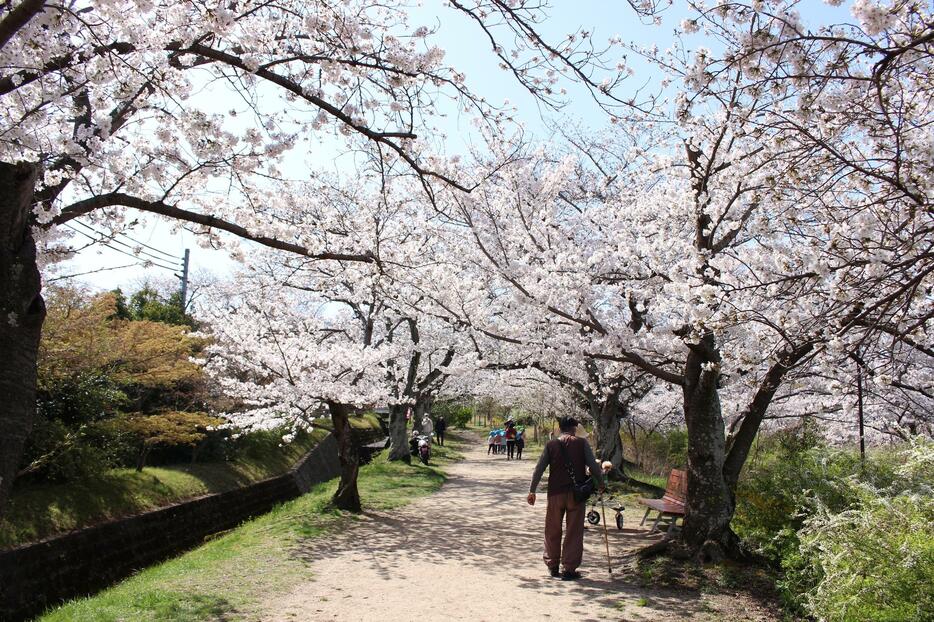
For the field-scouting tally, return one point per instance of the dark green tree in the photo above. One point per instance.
(150, 304)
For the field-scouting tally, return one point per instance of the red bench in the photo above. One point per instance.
(671, 505)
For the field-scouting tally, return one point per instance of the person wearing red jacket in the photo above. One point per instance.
(510, 439)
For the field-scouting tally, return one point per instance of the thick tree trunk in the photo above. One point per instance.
(398, 437)
(607, 442)
(347, 496)
(22, 312)
(710, 505)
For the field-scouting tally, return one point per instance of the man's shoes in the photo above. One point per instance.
(554, 572)
(570, 575)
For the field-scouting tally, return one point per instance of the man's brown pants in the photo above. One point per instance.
(563, 506)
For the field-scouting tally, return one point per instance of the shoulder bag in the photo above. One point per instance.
(583, 490)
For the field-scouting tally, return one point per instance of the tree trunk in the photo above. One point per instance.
(637, 449)
(754, 413)
(347, 496)
(22, 312)
(710, 505)
(398, 437)
(141, 457)
(608, 444)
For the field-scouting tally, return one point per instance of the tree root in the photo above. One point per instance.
(671, 547)
(653, 550)
(710, 552)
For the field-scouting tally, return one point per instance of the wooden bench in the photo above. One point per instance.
(671, 505)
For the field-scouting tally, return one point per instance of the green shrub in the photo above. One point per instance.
(97, 359)
(874, 561)
(257, 444)
(456, 415)
(796, 487)
(83, 397)
(788, 479)
(57, 452)
(659, 452)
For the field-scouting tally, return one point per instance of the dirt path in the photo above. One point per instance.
(473, 552)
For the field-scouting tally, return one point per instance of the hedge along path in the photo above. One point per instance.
(473, 551)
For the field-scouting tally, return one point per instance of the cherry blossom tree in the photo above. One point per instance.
(312, 336)
(288, 364)
(727, 260)
(195, 113)
(114, 109)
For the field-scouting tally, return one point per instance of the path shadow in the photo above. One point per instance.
(479, 519)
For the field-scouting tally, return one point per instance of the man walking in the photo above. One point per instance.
(440, 427)
(561, 502)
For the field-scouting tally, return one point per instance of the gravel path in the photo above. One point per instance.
(473, 551)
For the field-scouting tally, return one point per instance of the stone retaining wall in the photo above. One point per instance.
(35, 576)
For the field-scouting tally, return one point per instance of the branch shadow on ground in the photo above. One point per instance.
(482, 533)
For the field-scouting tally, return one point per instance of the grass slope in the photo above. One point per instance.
(39, 511)
(227, 577)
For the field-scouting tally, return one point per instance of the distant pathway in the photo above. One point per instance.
(472, 552)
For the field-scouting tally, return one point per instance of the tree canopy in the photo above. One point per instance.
(744, 243)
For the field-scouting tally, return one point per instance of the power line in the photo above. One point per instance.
(135, 250)
(128, 254)
(135, 241)
(150, 259)
(108, 238)
(77, 274)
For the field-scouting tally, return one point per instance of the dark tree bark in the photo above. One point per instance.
(607, 441)
(715, 463)
(398, 438)
(752, 416)
(142, 456)
(347, 496)
(710, 502)
(419, 395)
(22, 312)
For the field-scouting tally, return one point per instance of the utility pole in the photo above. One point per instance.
(184, 278)
(859, 409)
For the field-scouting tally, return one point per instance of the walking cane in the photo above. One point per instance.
(606, 536)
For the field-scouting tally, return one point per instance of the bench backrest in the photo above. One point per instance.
(677, 487)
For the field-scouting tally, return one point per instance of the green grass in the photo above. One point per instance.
(363, 422)
(232, 574)
(38, 511)
(656, 480)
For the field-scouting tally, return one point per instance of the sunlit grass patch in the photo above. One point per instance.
(43, 510)
(233, 573)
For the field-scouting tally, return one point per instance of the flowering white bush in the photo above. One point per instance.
(875, 561)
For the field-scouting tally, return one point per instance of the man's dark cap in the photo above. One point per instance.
(567, 422)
